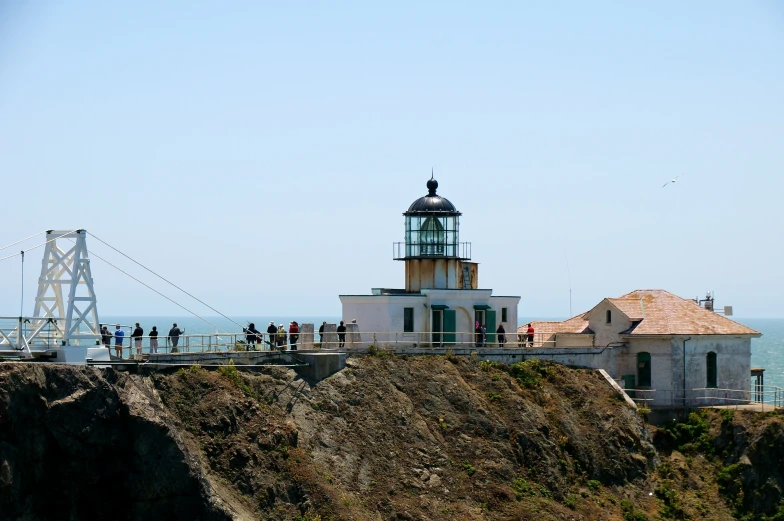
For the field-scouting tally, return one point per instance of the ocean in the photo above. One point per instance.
(767, 351)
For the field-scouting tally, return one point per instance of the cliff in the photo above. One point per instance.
(387, 438)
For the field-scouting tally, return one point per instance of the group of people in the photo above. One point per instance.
(137, 336)
(276, 336)
(481, 335)
(279, 336)
(340, 330)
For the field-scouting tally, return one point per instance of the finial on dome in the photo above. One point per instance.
(432, 184)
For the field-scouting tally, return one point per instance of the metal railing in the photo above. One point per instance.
(424, 250)
(217, 342)
(460, 339)
(47, 334)
(24, 333)
(770, 396)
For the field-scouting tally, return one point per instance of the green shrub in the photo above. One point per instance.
(493, 397)
(691, 435)
(469, 469)
(522, 489)
(373, 350)
(229, 371)
(486, 365)
(630, 513)
(531, 372)
(593, 485)
(672, 508)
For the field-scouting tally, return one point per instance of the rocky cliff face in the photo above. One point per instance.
(387, 438)
(81, 443)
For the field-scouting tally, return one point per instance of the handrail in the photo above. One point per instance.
(701, 396)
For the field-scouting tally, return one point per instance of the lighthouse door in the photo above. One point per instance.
(438, 327)
(450, 326)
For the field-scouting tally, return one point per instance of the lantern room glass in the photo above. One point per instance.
(432, 236)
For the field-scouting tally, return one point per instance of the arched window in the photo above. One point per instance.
(712, 370)
(644, 369)
(609, 316)
(432, 237)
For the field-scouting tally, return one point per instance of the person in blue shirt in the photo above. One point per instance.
(119, 334)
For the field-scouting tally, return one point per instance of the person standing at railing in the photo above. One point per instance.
(478, 333)
(137, 335)
(293, 335)
(501, 332)
(119, 334)
(106, 337)
(272, 332)
(530, 333)
(154, 339)
(321, 334)
(342, 334)
(484, 335)
(281, 337)
(251, 335)
(174, 337)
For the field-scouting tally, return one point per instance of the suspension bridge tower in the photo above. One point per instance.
(65, 274)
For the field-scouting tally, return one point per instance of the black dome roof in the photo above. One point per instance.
(432, 203)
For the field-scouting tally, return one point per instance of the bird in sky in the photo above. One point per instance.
(671, 181)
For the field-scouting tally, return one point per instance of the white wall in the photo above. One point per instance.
(733, 362)
(383, 314)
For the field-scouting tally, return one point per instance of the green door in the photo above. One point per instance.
(438, 327)
(490, 323)
(450, 326)
(644, 369)
(628, 384)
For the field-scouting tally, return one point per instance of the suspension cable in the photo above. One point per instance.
(156, 291)
(23, 240)
(37, 245)
(165, 280)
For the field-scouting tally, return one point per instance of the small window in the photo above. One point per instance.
(609, 316)
(712, 370)
(408, 320)
(503, 315)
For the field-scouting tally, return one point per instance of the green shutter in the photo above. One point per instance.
(450, 326)
(490, 323)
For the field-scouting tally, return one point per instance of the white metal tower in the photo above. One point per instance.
(76, 320)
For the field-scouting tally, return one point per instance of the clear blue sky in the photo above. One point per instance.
(260, 154)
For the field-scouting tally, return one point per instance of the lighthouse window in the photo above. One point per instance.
(408, 320)
(432, 237)
(609, 317)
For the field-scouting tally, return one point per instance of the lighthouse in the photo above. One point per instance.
(434, 256)
(441, 301)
